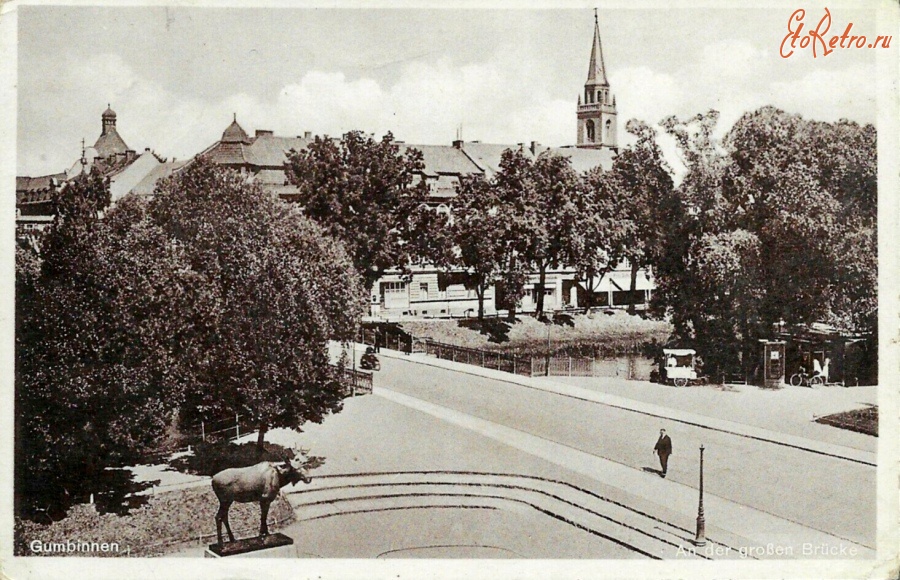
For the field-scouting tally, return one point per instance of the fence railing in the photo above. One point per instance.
(510, 363)
(356, 382)
(630, 367)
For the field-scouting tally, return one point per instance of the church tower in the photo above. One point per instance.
(597, 107)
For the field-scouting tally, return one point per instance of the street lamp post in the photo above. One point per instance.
(701, 521)
(548, 350)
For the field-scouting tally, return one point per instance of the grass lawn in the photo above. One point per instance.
(166, 523)
(577, 335)
(859, 420)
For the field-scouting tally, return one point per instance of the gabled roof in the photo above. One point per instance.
(37, 189)
(147, 185)
(444, 160)
(487, 155)
(583, 159)
(270, 151)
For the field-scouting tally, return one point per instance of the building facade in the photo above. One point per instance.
(428, 291)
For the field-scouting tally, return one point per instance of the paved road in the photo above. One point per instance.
(828, 494)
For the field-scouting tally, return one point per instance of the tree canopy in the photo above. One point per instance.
(777, 223)
(273, 288)
(213, 298)
(368, 194)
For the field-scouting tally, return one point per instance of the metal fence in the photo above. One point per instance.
(510, 363)
(630, 367)
(356, 382)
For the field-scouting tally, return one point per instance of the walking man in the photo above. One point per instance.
(663, 449)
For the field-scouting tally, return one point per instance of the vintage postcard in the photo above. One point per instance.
(441, 290)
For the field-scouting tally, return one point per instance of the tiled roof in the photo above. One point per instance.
(269, 150)
(583, 159)
(444, 160)
(224, 153)
(487, 155)
(110, 143)
(147, 185)
(270, 177)
(36, 189)
(235, 134)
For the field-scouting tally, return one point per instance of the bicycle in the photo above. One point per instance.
(803, 379)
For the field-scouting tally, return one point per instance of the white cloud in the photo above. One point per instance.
(503, 99)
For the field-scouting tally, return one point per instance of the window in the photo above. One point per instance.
(608, 129)
(423, 289)
(599, 96)
(393, 287)
(590, 131)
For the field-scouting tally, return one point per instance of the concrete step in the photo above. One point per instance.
(331, 496)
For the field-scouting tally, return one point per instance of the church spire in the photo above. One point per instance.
(597, 111)
(597, 69)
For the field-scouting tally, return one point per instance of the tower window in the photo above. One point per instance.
(590, 131)
(599, 96)
(608, 129)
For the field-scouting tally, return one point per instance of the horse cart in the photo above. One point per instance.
(679, 367)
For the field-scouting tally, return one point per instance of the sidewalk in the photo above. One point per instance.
(757, 528)
(790, 410)
(678, 415)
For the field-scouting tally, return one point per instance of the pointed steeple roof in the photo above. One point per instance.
(235, 133)
(596, 69)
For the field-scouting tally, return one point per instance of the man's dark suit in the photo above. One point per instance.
(664, 449)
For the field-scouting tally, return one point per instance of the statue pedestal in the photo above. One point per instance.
(272, 546)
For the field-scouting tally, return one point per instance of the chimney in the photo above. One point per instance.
(263, 132)
(130, 154)
(307, 134)
(534, 147)
(458, 144)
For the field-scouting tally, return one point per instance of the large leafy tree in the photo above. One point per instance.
(604, 230)
(640, 186)
(540, 196)
(477, 233)
(272, 289)
(95, 339)
(778, 223)
(368, 194)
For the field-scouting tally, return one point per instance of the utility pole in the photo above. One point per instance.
(701, 521)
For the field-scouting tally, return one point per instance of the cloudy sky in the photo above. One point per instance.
(176, 75)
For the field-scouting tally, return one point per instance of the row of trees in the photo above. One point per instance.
(211, 299)
(774, 222)
(214, 298)
(532, 216)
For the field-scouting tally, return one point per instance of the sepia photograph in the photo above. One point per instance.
(552, 290)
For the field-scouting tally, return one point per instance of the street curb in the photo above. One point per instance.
(695, 420)
(760, 527)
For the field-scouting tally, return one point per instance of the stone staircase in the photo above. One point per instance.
(344, 494)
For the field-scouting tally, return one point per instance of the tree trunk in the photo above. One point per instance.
(542, 279)
(589, 292)
(632, 295)
(261, 439)
(480, 289)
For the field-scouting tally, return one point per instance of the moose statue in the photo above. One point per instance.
(260, 482)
